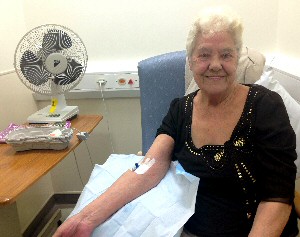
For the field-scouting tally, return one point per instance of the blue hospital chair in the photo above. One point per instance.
(161, 80)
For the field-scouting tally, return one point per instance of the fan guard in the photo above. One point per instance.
(50, 59)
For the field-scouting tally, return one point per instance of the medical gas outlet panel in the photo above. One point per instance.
(109, 81)
(103, 85)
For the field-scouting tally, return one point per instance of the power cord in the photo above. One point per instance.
(77, 166)
(82, 136)
(101, 83)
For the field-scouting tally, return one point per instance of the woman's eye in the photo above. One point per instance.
(204, 55)
(226, 55)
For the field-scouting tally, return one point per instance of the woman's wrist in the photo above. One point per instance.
(84, 223)
(89, 218)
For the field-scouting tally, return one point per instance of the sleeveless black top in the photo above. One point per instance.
(255, 164)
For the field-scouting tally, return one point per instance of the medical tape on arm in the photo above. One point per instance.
(142, 166)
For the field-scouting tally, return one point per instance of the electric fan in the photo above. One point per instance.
(51, 60)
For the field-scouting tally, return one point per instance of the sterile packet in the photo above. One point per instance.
(11, 127)
(44, 137)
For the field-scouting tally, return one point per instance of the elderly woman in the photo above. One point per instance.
(236, 138)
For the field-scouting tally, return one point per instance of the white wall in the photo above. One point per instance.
(288, 32)
(12, 28)
(287, 53)
(134, 29)
(17, 101)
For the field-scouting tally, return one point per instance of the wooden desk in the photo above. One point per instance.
(20, 170)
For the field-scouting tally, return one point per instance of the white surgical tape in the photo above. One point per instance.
(143, 165)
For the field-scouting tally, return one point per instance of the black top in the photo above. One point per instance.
(256, 163)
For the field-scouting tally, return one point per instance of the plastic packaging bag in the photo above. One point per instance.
(11, 127)
(47, 137)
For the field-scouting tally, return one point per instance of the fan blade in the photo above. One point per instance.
(73, 71)
(33, 68)
(56, 40)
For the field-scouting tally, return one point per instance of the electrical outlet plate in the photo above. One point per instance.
(114, 81)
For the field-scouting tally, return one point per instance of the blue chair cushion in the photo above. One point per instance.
(161, 80)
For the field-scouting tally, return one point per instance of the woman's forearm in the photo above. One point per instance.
(131, 184)
(128, 187)
(270, 219)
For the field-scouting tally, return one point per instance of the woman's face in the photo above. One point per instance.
(214, 62)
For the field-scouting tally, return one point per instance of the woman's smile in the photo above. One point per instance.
(215, 78)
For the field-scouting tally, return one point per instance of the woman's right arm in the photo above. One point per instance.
(128, 187)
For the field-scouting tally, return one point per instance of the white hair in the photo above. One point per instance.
(212, 20)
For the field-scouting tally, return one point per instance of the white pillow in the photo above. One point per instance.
(292, 107)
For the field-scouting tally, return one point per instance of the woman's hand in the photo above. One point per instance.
(75, 226)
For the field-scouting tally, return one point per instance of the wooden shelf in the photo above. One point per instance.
(20, 170)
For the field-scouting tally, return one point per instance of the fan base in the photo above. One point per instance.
(44, 116)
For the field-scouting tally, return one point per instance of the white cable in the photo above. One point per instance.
(90, 157)
(78, 169)
(92, 163)
(100, 83)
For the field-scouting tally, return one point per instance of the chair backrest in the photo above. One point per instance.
(167, 76)
(161, 80)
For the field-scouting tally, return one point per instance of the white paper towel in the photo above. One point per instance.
(160, 212)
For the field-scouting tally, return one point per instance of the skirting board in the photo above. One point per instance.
(55, 202)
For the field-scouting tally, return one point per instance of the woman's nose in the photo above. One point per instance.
(215, 64)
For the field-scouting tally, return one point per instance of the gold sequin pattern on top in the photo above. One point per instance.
(219, 155)
(239, 143)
